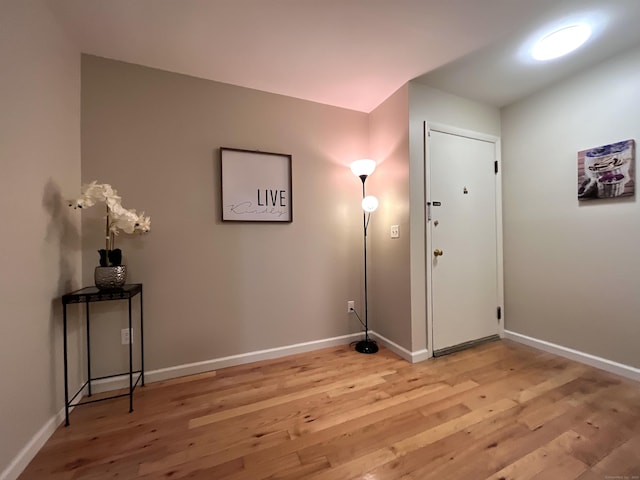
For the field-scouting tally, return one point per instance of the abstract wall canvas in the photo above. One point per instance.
(607, 171)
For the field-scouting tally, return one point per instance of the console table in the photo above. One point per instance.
(87, 296)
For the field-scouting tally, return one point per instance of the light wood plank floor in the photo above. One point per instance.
(498, 411)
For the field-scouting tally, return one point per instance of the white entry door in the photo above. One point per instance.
(463, 229)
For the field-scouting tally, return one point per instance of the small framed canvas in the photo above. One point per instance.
(256, 186)
(607, 171)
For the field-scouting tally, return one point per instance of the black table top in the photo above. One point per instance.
(93, 294)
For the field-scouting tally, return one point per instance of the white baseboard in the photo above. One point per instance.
(33, 446)
(20, 462)
(151, 376)
(586, 358)
(413, 357)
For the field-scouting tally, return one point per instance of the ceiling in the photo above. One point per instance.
(349, 53)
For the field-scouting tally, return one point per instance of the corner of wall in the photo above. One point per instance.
(390, 282)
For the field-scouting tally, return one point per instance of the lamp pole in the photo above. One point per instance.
(366, 345)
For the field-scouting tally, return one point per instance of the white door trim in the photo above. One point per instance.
(438, 127)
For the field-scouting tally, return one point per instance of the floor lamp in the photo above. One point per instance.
(362, 169)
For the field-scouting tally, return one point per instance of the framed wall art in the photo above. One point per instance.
(256, 186)
(607, 171)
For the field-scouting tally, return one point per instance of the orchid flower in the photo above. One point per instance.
(117, 217)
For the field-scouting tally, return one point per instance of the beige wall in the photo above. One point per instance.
(390, 298)
(432, 105)
(571, 268)
(215, 289)
(40, 158)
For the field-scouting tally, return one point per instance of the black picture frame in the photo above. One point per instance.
(256, 186)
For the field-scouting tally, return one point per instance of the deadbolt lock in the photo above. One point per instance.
(438, 253)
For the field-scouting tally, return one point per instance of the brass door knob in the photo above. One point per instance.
(437, 252)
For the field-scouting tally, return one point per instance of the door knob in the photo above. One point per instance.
(437, 252)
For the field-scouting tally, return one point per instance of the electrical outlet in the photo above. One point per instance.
(125, 338)
(351, 306)
(395, 231)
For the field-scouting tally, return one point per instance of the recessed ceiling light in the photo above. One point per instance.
(563, 41)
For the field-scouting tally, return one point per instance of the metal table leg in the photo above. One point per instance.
(141, 340)
(130, 363)
(88, 349)
(66, 378)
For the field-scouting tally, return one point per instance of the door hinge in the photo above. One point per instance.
(499, 313)
(495, 166)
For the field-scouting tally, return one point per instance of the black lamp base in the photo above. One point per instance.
(366, 346)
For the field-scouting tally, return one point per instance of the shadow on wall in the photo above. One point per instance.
(63, 233)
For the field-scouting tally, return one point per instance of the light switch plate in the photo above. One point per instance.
(395, 231)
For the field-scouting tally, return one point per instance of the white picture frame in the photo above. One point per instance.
(256, 186)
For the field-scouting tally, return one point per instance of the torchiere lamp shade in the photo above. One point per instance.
(363, 167)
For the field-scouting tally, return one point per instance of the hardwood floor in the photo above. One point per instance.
(498, 411)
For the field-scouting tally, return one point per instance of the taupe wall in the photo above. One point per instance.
(390, 297)
(215, 289)
(39, 254)
(571, 268)
(429, 104)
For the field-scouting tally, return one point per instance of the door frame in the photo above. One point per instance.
(429, 127)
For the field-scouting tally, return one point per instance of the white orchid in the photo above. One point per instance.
(93, 192)
(117, 218)
(144, 223)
